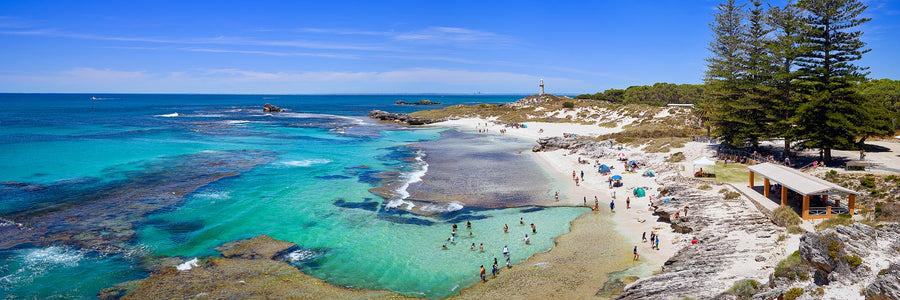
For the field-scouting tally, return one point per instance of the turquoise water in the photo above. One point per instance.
(314, 192)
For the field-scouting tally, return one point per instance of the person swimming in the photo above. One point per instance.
(527, 240)
(505, 228)
(473, 246)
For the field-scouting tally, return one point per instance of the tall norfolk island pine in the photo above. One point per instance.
(831, 113)
(784, 47)
(724, 72)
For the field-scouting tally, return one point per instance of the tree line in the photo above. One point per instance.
(791, 72)
(784, 72)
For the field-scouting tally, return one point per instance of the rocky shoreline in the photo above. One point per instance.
(252, 268)
(401, 118)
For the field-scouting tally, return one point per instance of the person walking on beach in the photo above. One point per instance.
(556, 196)
(635, 254)
(657, 243)
(573, 174)
(628, 203)
(533, 229)
(612, 205)
(585, 200)
(582, 175)
(644, 237)
(507, 263)
(494, 269)
(482, 274)
(576, 181)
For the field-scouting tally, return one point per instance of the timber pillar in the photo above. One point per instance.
(852, 203)
(766, 187)
(783, 195)
(805, 209)
(751, 180)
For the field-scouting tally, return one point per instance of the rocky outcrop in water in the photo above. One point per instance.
(401, 118)
(272, 108)
(420, 102)
(734, 243)
(251, 269)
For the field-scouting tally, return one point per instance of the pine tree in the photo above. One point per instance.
(784, 48)
(831, 114)
(757, 83)
(724, 72)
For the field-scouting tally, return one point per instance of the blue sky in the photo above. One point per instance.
(314, 47)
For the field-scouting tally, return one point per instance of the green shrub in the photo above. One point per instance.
(676, 157)
(795, 229)
(882, 272)
(867, 181)
(705, 187)
(723, 190)
(843, 219)
(854, 260)
(793, 293)
(731, 195)
(785, 216)
(744, 289)
(792, 267)
(568, 104)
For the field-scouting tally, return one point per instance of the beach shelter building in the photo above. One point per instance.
(807, 186)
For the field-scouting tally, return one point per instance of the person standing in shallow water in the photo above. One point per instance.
(483, 278)
(533, 229)
(635, 254)
(505, 228)
(521, 221)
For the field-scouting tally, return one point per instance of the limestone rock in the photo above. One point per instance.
(886, 286)
(831, 251)
(272, 108)
(261, 246)
(420, 102)
(401, 118)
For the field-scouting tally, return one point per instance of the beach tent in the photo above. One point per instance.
(616, 177)
(649, 173)
(705, 162)
(604, 169)
(639, 192)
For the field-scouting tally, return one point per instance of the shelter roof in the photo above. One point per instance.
(799, 182)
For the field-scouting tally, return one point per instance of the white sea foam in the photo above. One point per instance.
(187, 265)
(214, 195)
(235, 122)
(300, 255)
(441, 207)
(172, 115)
(409, 178)
(53, 256)
(306, 162)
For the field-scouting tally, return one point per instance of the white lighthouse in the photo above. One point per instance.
(542, 86)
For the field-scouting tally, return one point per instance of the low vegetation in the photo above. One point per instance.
(879, 194)
(785, 216)
(793, 293)
(744, 289)
(676, 157)
(843, 219)
(793, 268)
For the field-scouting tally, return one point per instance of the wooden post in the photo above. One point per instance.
(751, 180)
(852, 203)
(828, 210)
(766, 187)
(783, 195)
(837, 201)
(805, 209)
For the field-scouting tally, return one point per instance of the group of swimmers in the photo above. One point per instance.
(494, 269)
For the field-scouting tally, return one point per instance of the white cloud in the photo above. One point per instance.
(90, 80)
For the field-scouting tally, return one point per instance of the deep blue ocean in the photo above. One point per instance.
(95, 188)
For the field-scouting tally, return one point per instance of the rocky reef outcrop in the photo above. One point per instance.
(251, 268)
(887, 285)
(401, 118)
(272, 108)
(420, 102)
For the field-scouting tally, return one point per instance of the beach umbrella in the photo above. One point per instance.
(649, 173)
(616, 177)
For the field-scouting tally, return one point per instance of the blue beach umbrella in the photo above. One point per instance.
(616, 177)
